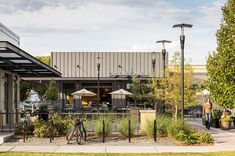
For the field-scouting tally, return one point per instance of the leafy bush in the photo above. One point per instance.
(178, 131)
(175, 127)
(19, 130)
(41, 129)
(206, 138)
(124, 127)
(43, 108)
(99, 126)
(62, 124)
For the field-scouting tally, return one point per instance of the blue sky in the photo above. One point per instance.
(113, 25)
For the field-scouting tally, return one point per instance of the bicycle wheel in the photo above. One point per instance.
(79, 137)
(70, 135)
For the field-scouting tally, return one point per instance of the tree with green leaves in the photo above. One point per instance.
(25, 88)
(135, 89)
(44, 59)
(169, 88)
(138, 89)
(52, 92)
(221, 63)
(37, 86)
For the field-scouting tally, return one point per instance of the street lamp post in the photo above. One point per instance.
(98, 86)
(164, 55)
(182, 41)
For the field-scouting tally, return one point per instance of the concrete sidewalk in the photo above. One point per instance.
(221, 137)
(117, 149)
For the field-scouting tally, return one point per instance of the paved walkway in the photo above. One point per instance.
(221, 137)
(117, 149)
(224, 141)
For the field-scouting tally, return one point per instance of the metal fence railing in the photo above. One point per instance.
(9, 121)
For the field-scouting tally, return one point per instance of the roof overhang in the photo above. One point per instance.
(17, 61)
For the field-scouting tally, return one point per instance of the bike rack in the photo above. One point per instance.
(155, 130)
(129, 130)
(51, 131)
(103, 131)
(25, 130)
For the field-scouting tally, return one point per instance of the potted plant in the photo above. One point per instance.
(216, 117)
(226, 121)
(43, 112)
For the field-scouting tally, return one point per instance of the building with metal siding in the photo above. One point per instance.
(84, 64)
(79, 70)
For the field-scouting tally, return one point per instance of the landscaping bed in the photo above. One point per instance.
(169, 132)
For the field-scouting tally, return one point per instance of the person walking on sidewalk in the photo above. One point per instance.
(207, 111)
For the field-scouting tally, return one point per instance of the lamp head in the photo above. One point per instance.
(163, 41)
(183, 25)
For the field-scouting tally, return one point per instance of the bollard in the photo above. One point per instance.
(9, 122)
(103, 131)
(155, 130)
(129, 130)
(84, 131)
(50, 131)
(24, 130)
(26, 125)
(2, 121)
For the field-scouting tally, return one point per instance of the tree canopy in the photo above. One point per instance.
(44, 59)
(52, 92)
(169, 88)
(221, 63)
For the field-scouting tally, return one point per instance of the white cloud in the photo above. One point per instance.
(110, 25)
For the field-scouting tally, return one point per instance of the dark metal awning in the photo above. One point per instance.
(15, 60)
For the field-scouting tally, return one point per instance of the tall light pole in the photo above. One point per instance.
(164, 55)
(182, 41)
(98, 84)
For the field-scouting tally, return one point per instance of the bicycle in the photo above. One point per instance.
(78, 131)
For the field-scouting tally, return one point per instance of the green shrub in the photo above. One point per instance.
(62, 124)
(163, 123)
(178, 131)
(99, 126)
(175, 127)
(149, 128)
(187, 138)
(41, 129)
(124, 127)
(206, 138)
(19, 129)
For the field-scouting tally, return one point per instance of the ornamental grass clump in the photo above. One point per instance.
(99, 126)
(124, 127)
(177, 130)
(163, 123)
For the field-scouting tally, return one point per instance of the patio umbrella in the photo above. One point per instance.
(84, 92)
(120, 92)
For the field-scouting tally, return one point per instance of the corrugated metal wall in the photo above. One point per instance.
(84, 64)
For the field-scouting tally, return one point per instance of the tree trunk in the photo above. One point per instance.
(175, 113)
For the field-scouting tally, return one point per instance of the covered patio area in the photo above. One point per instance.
(15, 64)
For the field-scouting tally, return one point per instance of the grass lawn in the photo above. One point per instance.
(102, 154)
